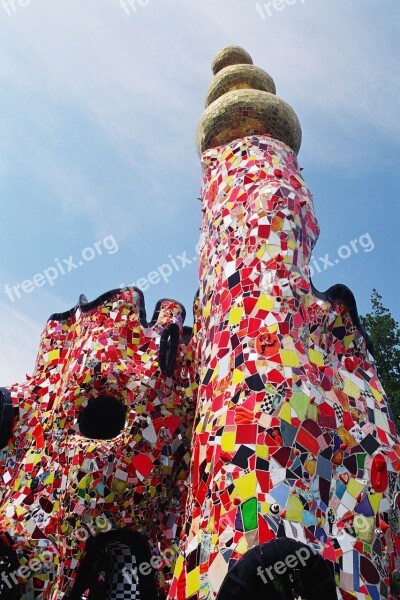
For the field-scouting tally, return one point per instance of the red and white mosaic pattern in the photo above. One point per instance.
(59, 487)
(293, 435)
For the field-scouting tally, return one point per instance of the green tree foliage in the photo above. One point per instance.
(385, 335)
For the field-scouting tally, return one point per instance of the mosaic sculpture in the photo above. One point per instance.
(293, 437)
(99, 443)
(294, 455)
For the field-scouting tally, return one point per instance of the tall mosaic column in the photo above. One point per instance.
(294, 449)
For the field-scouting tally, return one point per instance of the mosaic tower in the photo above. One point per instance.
(294, 447)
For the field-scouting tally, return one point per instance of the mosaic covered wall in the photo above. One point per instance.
(62, 483)
(293, 436)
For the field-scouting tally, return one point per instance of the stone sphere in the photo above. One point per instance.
(231, 55)
(243, 113)
(238, 77)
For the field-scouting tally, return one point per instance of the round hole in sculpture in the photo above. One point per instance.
(103, 418)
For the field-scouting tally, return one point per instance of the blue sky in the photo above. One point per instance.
(98, 113)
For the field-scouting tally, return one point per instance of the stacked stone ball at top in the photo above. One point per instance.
(230, 55)
(241, 102)
(237, 77)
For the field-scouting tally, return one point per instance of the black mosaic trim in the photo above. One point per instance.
(341, 293)
(6, 416)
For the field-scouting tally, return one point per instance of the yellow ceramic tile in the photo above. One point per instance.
(245, 486)
(193, 582)
(289, 358)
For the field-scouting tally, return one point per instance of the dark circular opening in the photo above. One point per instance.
(102, 419)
